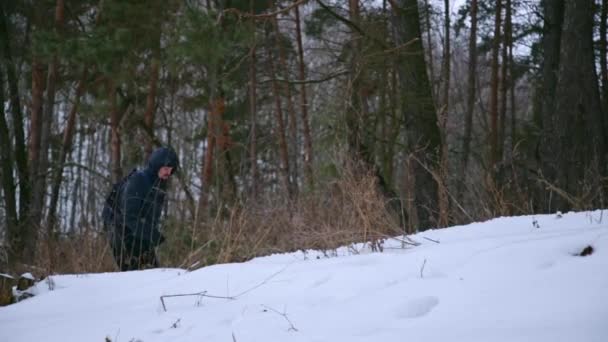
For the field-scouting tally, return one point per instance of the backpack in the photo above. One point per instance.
(110, 201)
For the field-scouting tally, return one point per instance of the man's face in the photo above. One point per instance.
(165, 172)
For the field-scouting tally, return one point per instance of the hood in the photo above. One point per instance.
(163, 156)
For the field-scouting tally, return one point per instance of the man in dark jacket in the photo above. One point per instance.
(133, 223)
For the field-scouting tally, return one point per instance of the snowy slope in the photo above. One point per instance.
(508, 279)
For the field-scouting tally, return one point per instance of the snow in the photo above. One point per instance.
(28, 276)
(508, 279)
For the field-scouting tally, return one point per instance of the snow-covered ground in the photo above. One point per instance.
(508, 279)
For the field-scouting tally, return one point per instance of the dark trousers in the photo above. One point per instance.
(129, 253)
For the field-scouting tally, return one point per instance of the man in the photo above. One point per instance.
(133, 222)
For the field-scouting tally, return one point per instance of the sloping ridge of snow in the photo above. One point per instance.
(507, 279)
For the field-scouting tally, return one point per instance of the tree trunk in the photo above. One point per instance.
(578, 107)
(603, 52)
(280, 129)
(20, 152)
(504, 88)
(152, 89)
(293, 147)
(68, 136)
(429, 47)
(353, 110)
(253, 152)
(442, 119)
(419, 111)
(40, 186)
(494, 156)
(115, 140)
(553, 12)
(511, 63)
(13, 236)
(33, 219)
(471, 92)
(306, 135)
(214, 124)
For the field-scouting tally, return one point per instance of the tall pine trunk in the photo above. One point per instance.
(442, 174)
(152, 90)
(494, 153)
(471, 95)
(21, 232)
(7, 182)
(293, 146)
(578, 108)
(306, 134)
(280, 128)
(419, 111)
(68, 137)
(553, 13)
(115, 139)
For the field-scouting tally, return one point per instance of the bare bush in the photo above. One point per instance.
(349, 210)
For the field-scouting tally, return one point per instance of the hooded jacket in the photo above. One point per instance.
(142, 199)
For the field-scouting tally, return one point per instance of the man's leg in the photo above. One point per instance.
(148, 259)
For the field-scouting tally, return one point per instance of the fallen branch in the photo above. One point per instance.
(291, 326)
(198, 294)
(422, 269)
(204, 293)
(435, 241)
(265, 280)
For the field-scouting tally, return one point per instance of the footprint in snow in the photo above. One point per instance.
(417, 307)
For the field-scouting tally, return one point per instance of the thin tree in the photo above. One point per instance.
(66, 147)
(471, 93)
(553, 17)
(306, 134)
(443, 120)
(280, 129)
(20, 152)
(253, 114)
(152, 90)
(603, 53)
(8, 182)
(293, 146)
(494, 156)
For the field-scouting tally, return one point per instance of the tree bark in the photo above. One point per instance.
(280, 129)
(419, 112)
(553, 12)
(603, 52)
(429, 48)
(494, 156)
(40, 186)
(253, 152)
(353, 110)
(20, 154)
(511, 63)
(504, 88)
(577, 106)
(471, 92)
(115, 139)
(68, 137)
(306, 134)
(442, 195)
(152, 90)
(293, 147)
(13, 236)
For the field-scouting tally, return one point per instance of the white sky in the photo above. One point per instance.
(503, 280)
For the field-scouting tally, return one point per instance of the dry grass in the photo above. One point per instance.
(347, 211)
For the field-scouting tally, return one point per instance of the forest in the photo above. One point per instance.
(299, 124)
